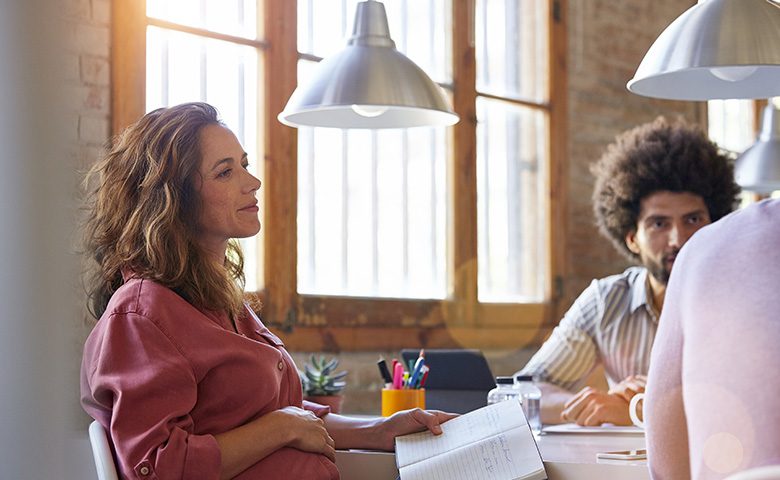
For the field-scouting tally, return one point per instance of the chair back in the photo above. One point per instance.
(769, 472)
(101, 450)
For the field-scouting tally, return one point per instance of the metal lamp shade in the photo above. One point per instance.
(717, 49)
(758, 168)
(369, 84)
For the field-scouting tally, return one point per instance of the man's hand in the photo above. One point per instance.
(629, 387)
(591, 407)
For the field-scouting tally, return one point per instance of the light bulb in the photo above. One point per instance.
(733, 74)
(369, 111)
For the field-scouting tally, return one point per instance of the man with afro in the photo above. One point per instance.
(656, 185)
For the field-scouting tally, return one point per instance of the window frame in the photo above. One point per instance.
(332, 323)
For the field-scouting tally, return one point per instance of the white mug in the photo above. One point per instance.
(632, 410)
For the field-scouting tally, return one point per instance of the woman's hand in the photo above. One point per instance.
(307, 431)
(410, 421)
(293, 427)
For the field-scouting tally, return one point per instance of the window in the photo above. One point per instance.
(372, 204)
(732, 124)
(202, 51)
(735, 125)
(378, 239)
(512, 156)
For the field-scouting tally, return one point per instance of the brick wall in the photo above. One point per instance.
(86, 91)
(607, 40)
(86, 61)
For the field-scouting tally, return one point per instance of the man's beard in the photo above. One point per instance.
(657, 269)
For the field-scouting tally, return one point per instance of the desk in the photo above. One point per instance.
(573, 456)
(565, 456)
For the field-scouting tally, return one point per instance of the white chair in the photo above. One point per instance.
(101, 450)
(769, 472)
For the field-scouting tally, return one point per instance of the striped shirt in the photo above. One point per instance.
(612, 322)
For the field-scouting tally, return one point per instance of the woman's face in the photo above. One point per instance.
(227, 191)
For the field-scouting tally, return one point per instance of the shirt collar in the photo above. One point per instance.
(640, 294)
(127, 274)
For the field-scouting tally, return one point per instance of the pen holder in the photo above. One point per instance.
(397, 400)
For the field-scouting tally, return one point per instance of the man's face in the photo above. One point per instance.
(666, 221)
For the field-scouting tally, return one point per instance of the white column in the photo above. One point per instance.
(38, 283)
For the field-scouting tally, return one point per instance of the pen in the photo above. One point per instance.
(384, 372)
(416, 372)
(398, 375)
(425, 375)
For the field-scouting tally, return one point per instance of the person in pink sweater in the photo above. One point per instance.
(713, 392)
(181, 372)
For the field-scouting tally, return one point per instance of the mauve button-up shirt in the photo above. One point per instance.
(164, 377)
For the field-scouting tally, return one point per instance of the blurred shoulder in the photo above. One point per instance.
(753, 226)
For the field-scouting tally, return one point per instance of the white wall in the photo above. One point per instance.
(38, 285)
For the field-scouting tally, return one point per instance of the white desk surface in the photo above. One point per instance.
(566, 457)
(573, 456)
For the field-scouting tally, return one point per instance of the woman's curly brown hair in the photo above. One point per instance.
(658, 156)
(142, 209)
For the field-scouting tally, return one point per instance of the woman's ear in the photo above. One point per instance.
(631, 242)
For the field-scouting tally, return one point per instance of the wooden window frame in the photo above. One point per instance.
(331, 323)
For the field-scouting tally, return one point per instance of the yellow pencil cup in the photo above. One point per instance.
(397, 400)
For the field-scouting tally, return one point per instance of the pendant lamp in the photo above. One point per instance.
(717, 49)
(368, 84)
(758, 168)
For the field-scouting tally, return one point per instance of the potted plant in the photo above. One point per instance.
(321, 383)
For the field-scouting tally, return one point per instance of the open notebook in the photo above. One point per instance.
(491, 443)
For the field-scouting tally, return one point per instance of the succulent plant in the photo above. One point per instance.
(318, 377)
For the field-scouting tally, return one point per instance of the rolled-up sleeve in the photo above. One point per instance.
(570, 354)
(151, 388)
(316, 408)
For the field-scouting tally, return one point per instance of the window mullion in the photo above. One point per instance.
(405, 205)
(281, 163)
(165, 69)
(375, 209)
(463, 230)
(345, 200)
(203, 58)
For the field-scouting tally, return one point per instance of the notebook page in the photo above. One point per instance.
(460, 431)
(505, 456)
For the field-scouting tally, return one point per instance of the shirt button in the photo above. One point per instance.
(280, 366)
(144, 471)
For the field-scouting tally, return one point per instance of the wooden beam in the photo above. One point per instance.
(202, 32)
(558, 142)
(354, 312)
(128, 63)
(338, 339)
(462, 233)
(280, 179)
